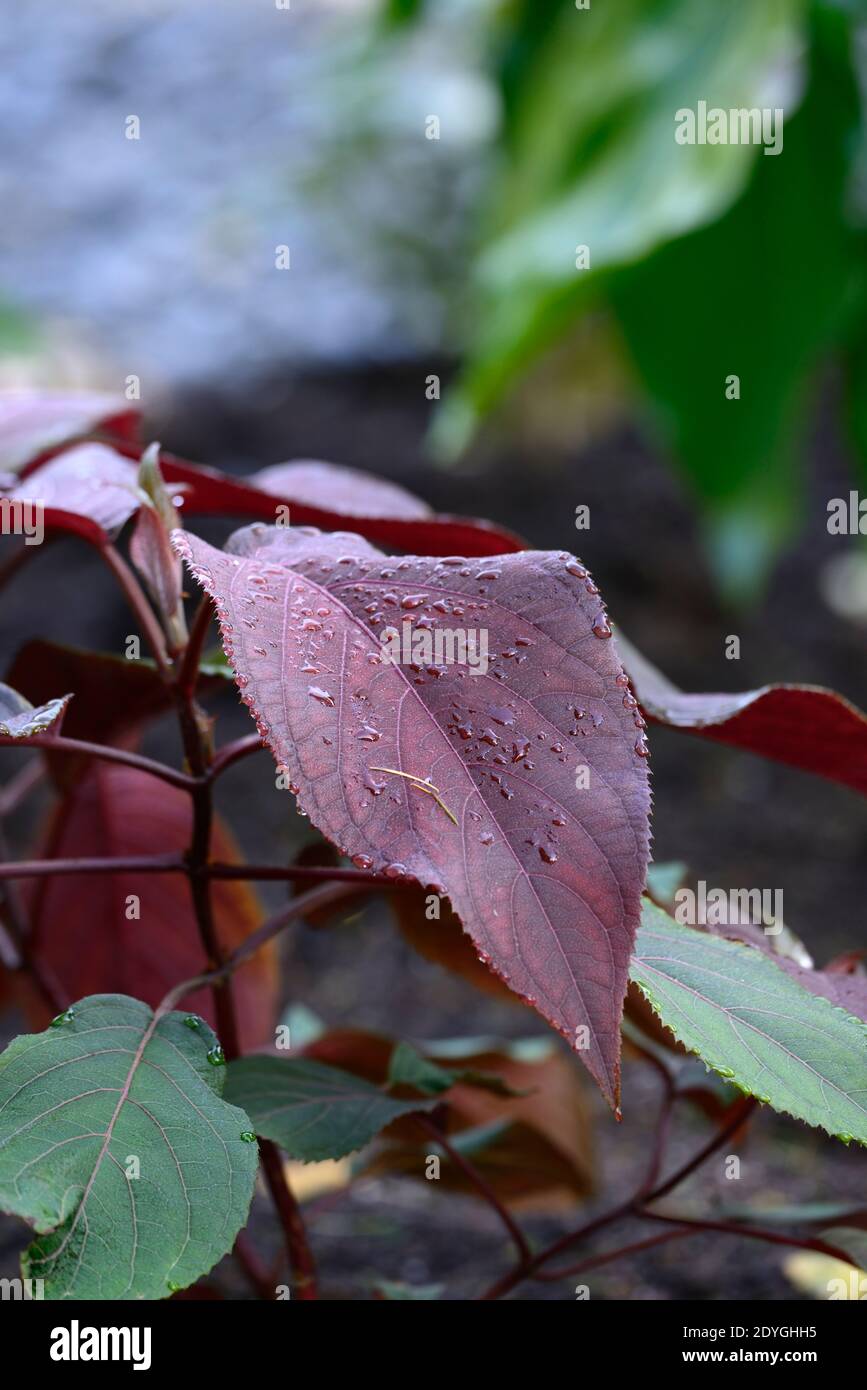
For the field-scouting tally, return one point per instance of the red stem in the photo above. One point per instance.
(136, 863)
(233, 752)
(56, 743)
(142, 610)
(305, 874)
(480, 1183)
(297, 1245)
(188, 667)
(732, 1228)
(741, 1110)
(550, 1276)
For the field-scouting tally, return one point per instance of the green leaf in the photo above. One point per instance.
(311, 1110)
(663, 880)
(18, 718)
(407, 1067)
(106, 1084)
(754, 1024)
(591, 159)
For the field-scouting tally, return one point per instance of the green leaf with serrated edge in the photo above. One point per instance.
(19, 719)
(107, 1083)
(754, 1024)
(407, 1067)
(311, 1110)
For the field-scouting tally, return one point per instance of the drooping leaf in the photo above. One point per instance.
(751, 1022)
(137, 931)
(19, 719)
(805, 726)
(348, 492)
(113, 696)
(311, 1110)
(545, 876)
(32, 422)
(531, 1137)
(534, 1147)
(89, 490)
(210, 493)
(116, 1146)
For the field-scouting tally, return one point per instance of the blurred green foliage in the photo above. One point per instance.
(712, 260)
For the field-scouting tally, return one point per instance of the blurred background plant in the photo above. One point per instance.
(701, 261)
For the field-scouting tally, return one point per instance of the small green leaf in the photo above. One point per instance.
(407, 1067)
(116, 1146)
(311, 1110)
(754, 1024)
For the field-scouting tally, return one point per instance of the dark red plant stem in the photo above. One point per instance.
(254, 1267)
(741, 1110)
(197, 752)
(142, 610)
(305, 874)
(732, 1228)
(550, 1276)
(56, 743)
(187, 676)
(660, 1140)
(297, 1245)
(516, 1276)
(480, 1183)
(136, 863)
(318, 897)
(233, 752)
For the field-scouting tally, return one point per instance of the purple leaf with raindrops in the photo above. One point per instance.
(466, 723)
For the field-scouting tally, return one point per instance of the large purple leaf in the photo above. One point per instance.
(545, 877)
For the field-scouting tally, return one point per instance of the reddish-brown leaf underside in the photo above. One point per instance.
(539, 1141)
(805, 726)
(546, 878)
